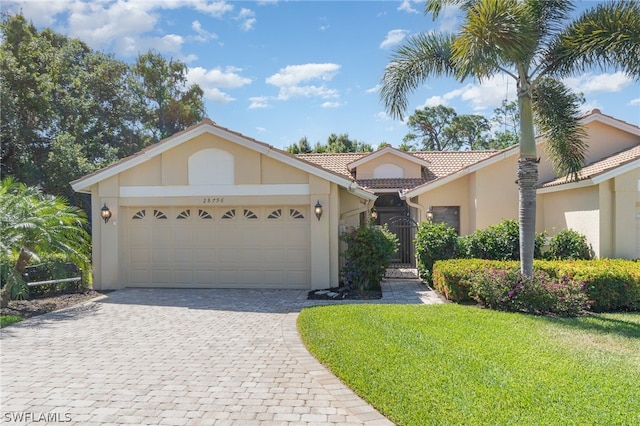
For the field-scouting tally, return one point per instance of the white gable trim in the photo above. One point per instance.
(460, 173)
(208, 190)
(84, 184)
(387, 150)
(595, 180)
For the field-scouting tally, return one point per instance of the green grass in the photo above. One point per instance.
(452, 364)
(6, 320)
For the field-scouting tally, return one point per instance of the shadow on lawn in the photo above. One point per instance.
(602, 324)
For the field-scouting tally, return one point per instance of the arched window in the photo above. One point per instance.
(211, 167)
(388, 171)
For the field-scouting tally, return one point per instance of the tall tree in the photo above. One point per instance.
(440, 128)
(432, 127)
(172, 104)
(535, 43)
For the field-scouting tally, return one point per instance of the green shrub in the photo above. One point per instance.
(611, 284)
(568, 244)
(497, 242)
(367, 256)
(509, 290)
(434, 241)
(452, 277)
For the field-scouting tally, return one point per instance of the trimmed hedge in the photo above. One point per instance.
(612, 284)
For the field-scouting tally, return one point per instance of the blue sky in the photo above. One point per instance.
(280, 70)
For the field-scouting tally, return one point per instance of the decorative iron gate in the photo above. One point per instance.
(405, 229)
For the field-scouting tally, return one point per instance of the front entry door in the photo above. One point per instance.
(394, 212)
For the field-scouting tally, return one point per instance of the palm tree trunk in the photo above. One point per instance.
(7, 289)
(527, 181)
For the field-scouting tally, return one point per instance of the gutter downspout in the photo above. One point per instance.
(418, 207)
(359, 210)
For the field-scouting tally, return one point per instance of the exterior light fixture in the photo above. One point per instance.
(429, 215)
(105, 213)
(318, 210)
(374, 214)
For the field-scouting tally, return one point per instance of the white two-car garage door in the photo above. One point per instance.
(219, 247)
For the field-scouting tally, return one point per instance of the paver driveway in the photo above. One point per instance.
(160, 356)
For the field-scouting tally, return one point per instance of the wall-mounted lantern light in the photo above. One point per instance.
(318, 210)
(374, 214)
(429, 215)
(105, 213)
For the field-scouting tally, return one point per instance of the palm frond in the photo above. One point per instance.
(423, 56)
(550, 16)
(496, 34)
(557, 114)
(435, 6)
(605, 36)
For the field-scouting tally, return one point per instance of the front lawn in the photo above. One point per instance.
(452, 364)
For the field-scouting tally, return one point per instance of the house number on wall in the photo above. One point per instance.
(213, 200)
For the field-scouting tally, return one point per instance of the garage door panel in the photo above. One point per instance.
(140, 255)
(224, 248)
(205, 256)
(160, 232)
(160, 256)
(228, 256)
(183, 256)
(274, 255)
(184, 277)
(160, 276)
(140, 235)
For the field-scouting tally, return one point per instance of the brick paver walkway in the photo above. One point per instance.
(178, 357)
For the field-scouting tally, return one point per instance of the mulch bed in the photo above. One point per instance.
(343, 293)
(39, 306)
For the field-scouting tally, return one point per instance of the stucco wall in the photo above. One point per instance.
(452, 194)
(496, 192)
(576, 209)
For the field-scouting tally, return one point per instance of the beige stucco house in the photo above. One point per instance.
(209, 207)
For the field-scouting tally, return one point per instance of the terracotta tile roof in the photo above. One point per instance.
(443, 163)
(599, 167)
(334, 162)
(396, 183)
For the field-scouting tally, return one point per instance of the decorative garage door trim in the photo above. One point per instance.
(217, 246)
(221, 190)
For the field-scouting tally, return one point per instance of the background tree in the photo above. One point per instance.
(171, 104)
(533, 42)
(431, 126)
(470, 131)
(335, 144)
(33, 225)
(68, 110)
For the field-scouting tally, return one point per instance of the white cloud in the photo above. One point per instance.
(210, 81)
(634, 102)
(406, 6)
(331, 104)
(589, 83)
(217, 9)
(203, 35)
(126, 27)
(488, 94)
(258, 102)
(393, 37)
(289, 80)
(374, 89)
(383, 116)
(292, 75)
(248, 18)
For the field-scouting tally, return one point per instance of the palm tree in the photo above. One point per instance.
(32, 225)
(533, 42)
